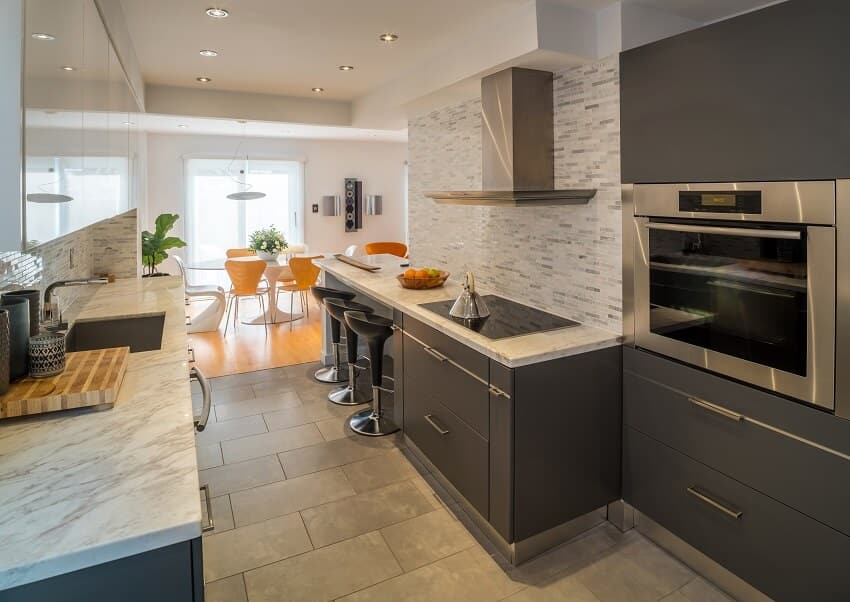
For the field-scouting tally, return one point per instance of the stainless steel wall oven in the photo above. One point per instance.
(738, 279)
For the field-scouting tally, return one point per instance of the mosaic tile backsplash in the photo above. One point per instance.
(562, 259)
(109, 246)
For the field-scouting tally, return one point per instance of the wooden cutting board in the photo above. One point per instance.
(91, 378)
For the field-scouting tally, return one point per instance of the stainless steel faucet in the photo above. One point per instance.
(51, 315)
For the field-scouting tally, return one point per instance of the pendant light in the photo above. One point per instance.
(247, 194)
(44, 197)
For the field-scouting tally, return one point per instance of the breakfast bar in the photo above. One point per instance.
(520, 423)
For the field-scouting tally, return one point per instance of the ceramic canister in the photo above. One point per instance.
(34, 296)
(19, 329)
(4, 351)
(47, 355)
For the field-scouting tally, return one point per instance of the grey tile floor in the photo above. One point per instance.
(305, 510)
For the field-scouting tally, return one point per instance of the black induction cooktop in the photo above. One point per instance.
(507, 318)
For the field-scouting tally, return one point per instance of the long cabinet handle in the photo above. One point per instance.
(717, 409)
(494, 390)
(436, 354)
(437, 427)
(736, 514)
(201, 421)
(208, 500)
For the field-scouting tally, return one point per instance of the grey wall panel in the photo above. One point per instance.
(762, 96)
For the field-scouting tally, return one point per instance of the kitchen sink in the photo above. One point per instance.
(139, 333)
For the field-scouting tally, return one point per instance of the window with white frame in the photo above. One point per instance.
(215, 223)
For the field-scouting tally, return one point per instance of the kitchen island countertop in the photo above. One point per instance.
(80, 488)
(512, 352)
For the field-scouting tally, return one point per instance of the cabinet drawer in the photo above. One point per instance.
(457, 451)
(780, 551)
(712, 426)
(439, 375)
(471, 360)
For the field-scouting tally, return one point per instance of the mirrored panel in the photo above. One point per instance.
(79, 117)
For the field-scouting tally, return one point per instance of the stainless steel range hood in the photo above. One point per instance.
(517, 131)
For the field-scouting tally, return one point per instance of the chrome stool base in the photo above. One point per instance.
(370, 424)
(349, 396)
(332, 375)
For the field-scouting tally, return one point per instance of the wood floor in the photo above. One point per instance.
(247, 348)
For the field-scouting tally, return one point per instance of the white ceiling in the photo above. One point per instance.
(286, 47)
(172, 124)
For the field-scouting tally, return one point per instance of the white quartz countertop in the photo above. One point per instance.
(512, 352)
(80, 488)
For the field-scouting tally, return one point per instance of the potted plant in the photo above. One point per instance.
(154, 246)
(268, 243)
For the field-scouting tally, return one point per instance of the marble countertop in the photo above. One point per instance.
(81, 488)
(512, 352)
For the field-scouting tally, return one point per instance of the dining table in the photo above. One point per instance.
(276, 270)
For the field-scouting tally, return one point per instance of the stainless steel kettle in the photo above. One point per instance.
(469, 305)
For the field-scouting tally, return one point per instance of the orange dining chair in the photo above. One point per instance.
(399, 249)
(305, 273)
(245, 276)
(233, 253)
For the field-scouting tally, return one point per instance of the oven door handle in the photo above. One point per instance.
(727, 231)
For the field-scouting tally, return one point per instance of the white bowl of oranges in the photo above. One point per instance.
(422, 279)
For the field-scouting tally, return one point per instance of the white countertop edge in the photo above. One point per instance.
(597, 339)
(89, 557)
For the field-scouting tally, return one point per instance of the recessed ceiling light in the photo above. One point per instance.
(388, 37)
(129, 123)
(217, 13)
(182, 125)
(318, 89)
(346, 68)
(208, 53)
(203, 80)
(43, 36)
(68, 68)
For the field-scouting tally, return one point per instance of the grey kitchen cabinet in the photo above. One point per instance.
(784, 553)
(759, 97)
(791, 452)
(530, 448)
(170, 574)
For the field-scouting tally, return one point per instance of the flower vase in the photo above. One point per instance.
(266, 256)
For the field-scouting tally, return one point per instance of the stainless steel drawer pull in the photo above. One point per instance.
(395, 328)
(192, 355)
(436, 354)
(494, 390)
(727, 230)
(717, 409)
(736, 514)
(437, 427)
(208, 500)
(201, 420)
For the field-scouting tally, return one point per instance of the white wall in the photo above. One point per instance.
(380, 165)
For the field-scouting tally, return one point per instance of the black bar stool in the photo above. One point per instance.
(350, 394)
(377, 330)
(335, 373)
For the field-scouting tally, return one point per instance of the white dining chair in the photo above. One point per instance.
(350, 251)
(209, 319)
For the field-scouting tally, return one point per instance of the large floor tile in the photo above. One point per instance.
(253, 546)
(230, 589)
(247, 378)
(233, 394)
(335, 428)
(295, 416)
(255, 446)
(564, 589)
(231, 429)
(467, 576)
(222, 515)
(276, 499)
(209, 456)
(615, 578)
(244, 475)
(324, 574)
(426, 538)
(331, 454)
(274, 387)
(700, 590)
(365, 512)
(656, 561)
(250, 407)
(372, 473)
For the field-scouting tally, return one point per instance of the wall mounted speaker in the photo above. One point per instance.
(353, 204)
(331, 205)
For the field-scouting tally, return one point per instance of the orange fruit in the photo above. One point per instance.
(422, 274)
(410, 273)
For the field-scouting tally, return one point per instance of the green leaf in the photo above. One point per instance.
(164, 223)
(154, 246)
